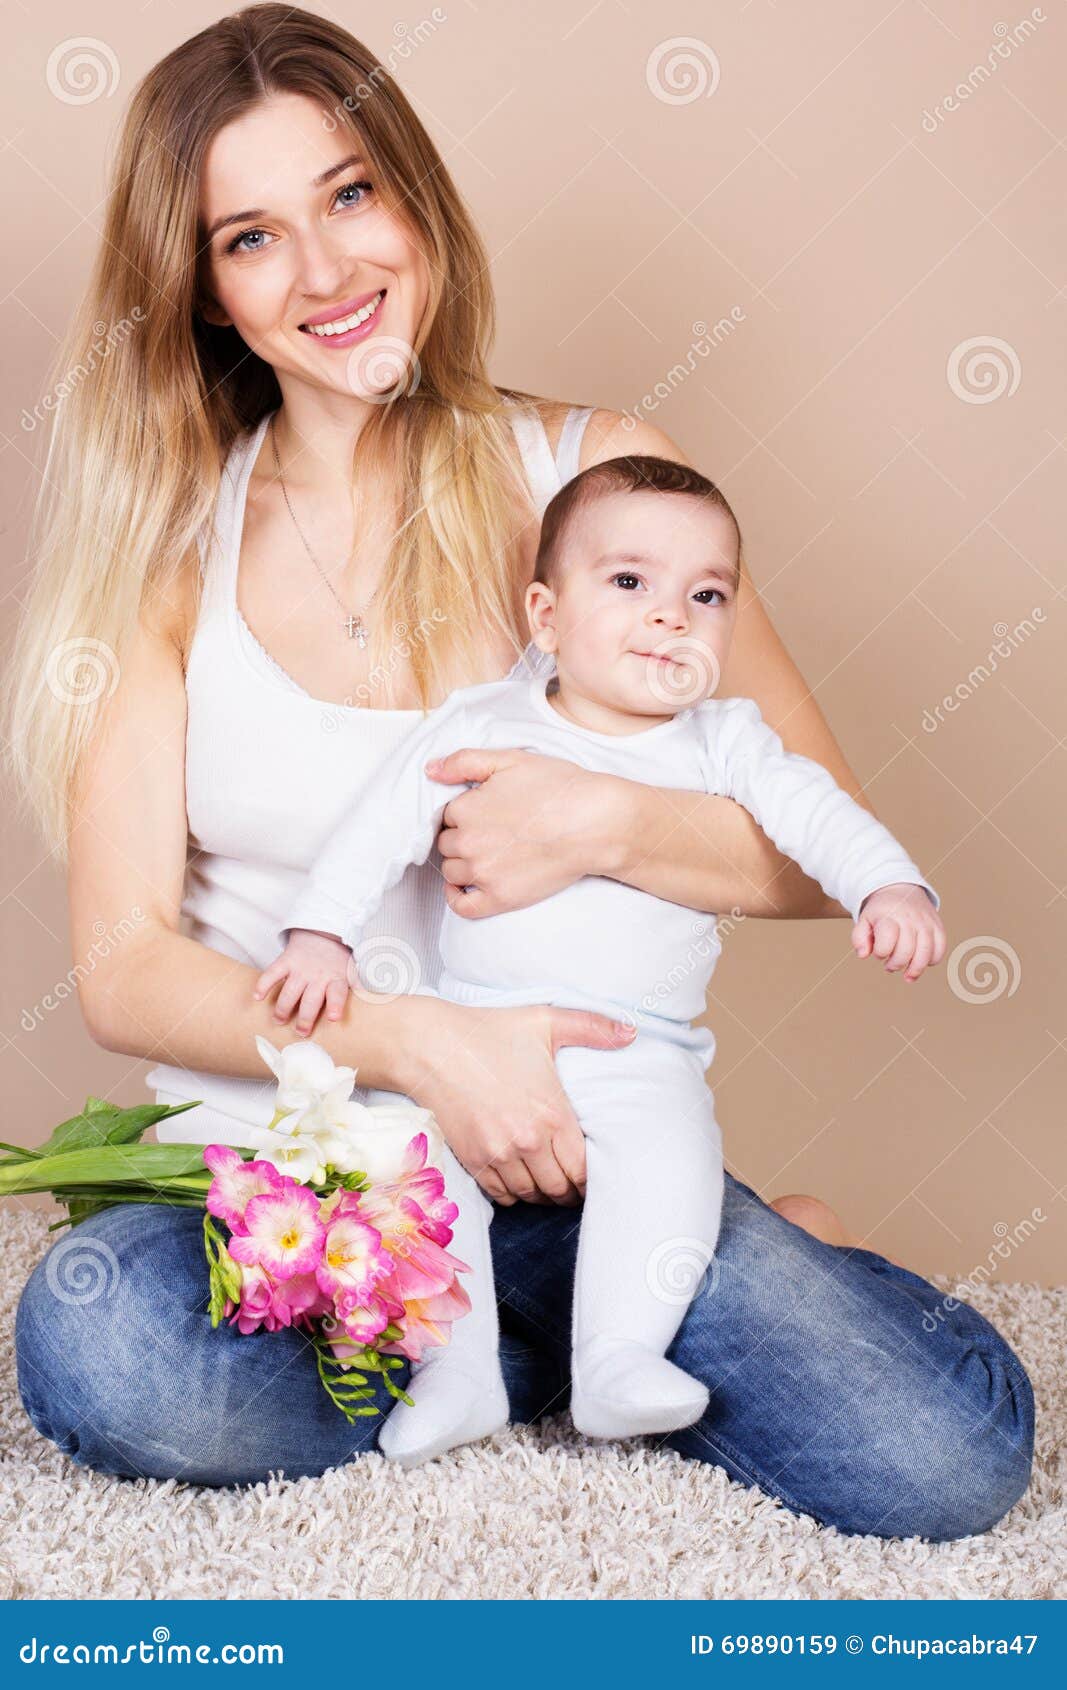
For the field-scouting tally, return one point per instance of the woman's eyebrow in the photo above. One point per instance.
(261, 211)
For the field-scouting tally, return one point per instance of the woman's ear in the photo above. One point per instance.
(541, 615)
(206, 307)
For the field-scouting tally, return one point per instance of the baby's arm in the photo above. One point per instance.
(392, 823)
(802, 809)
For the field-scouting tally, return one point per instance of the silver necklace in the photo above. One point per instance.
(354, 626)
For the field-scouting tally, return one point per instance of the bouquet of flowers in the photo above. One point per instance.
(335, 1215)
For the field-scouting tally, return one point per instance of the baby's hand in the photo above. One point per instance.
(313, 966)
(900, 923)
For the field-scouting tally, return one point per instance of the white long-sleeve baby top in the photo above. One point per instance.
(598, 943)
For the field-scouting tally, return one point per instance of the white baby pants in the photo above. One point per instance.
(650, 1220)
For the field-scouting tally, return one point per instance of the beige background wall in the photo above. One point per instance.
(841, 287)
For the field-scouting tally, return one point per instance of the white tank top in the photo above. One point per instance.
(269, 771)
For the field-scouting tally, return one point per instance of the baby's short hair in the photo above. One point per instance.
(637, 473)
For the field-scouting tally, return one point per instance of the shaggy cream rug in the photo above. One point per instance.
(533, 1512)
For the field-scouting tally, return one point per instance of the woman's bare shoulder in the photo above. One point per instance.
(616, 434)
(608, 433)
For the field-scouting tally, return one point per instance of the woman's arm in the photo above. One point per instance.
(158, 994)
(488, 1075)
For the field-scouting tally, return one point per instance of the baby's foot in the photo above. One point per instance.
(451, 1406)
(621, 1390)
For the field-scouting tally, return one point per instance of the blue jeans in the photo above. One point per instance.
(828, 1389)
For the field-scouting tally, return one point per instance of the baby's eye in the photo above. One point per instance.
(626, 580)
(706, 594)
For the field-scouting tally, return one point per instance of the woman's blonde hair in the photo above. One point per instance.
(150, 397)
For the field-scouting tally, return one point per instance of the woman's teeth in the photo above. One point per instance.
(342, 324)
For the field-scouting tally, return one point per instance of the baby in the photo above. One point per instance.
(635, 597)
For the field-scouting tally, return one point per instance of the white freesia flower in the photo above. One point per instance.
(374, 1137)
(316, 1121)
(308, 1080)
(294, 1154)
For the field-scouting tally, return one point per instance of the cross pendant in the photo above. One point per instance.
(356, 631)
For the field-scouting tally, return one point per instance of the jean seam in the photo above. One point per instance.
(769, 1487)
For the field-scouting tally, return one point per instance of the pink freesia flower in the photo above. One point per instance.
(421, 1267)
(363, 1320)
(235, 1182)
(298, 1301)
(428, 1322)
(353, 1258)
(426, 1187)
(254, 1309)
(283, 1233)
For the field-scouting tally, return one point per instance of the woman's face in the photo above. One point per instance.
(295, 248)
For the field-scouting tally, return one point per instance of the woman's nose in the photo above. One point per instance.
(321, 267)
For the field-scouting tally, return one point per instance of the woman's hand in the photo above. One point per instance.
(489, 1075)
(535, 825)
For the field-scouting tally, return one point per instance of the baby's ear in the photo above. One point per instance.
(541, 615)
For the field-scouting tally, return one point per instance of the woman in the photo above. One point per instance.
(270, 180)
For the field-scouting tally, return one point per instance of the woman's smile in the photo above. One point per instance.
(347, 325)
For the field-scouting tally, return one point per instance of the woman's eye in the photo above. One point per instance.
(237, 244)
(629, 582)
(364, 187)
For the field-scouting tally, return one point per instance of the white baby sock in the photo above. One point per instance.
(458, 1391)
(620, 1390)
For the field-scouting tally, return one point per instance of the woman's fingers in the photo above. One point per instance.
(586, 1027)
(550, 1181)
(493, 1186)
(568, 1148)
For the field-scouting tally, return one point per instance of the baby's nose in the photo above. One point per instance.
(671, 616)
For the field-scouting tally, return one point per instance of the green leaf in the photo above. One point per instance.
(100, 1123)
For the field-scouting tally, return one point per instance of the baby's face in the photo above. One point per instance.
(644, 602)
